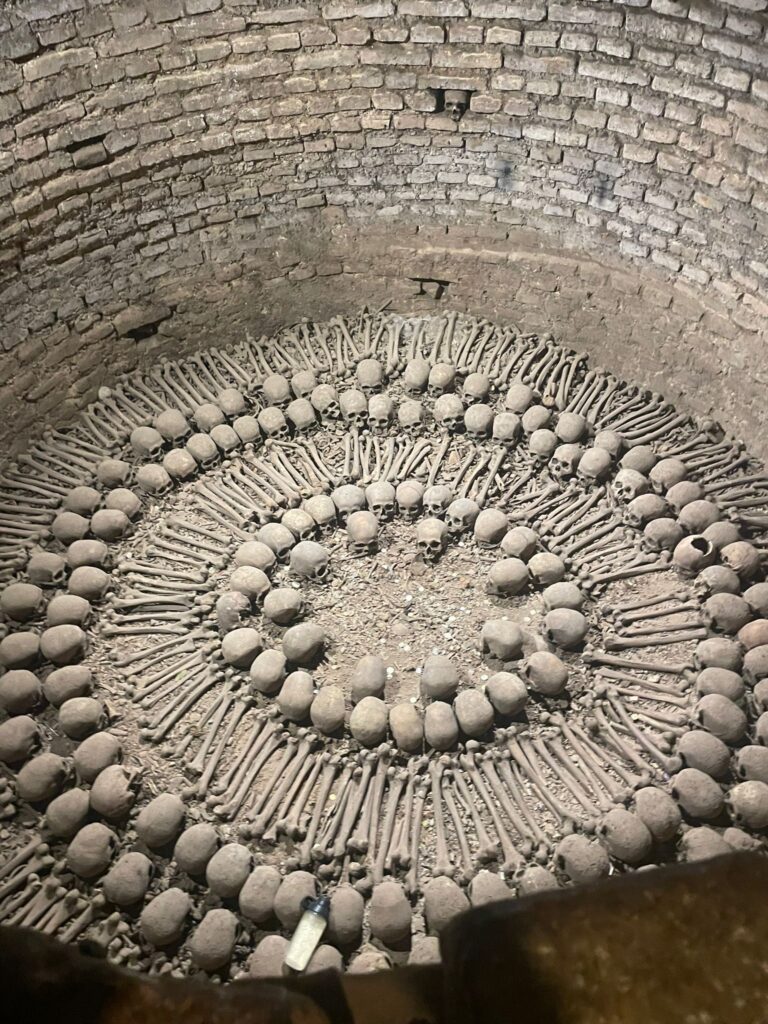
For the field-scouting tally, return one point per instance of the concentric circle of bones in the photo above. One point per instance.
(416, 612)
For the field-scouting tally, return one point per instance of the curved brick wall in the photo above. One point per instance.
(176, 170)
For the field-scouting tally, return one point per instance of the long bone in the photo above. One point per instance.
(523, 347)
(505, 801)
(566, 381)
(592, 380)
(587, 755)
(438, 460)
(729, 484)
(291, 826)
(261, 814)
(641, 738)
(232, 526)
(231, 778)
(669, 694)
(418, 454)
(47, 895)
(569, 551)
(344, 839)
(593, 657)
(217, 550)
(394, 790)
(487, 849)
(72, 903)
(566, 777)
(197, 766)
(616, 549)
(601, 399)
(465, 346)
(641, 566)
(149, 686)
(627, 750)
(631, 782)
(175, 710)
(511, 777)
(563, 518)
(268, 744)
(411, 883)
(627, 642)
(585, 524)
(663, 627)
(443, 864)
(289, 469)
(229, 496)
(39, 863)
(27, 852)
(669, 424)
(588, 781)
(466, 873)
(297, 786)
(472, 474)
(625, 607)
(327, 777)
(250, 482)
(161, 571)
(516, 487)
(334, 819)
(511, 857)
(399, 853)
(63, 460)
(497, 461)
(152, 655)
(235, 370)
(364, 840)
(95, 906)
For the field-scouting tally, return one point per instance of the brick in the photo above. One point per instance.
(423, 32)
(578, 14)
(279, 16)
(732, 79)
(18, 42)
(450, 57)
(506, 81)
(202, 6)
(317, 35)
(134, 40)
(284, 41)
(409, 56)
(613, 72)
(338, 11)
(749, 112)
(502, 36)
(433, 8)
(330, 58)
(608, 94)
(519, 11)
(580, 41)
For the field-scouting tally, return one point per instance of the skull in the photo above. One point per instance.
(381, 411)
(743, 558)
(300, 523)
(682, 494)
(726, 613)
(146, 442)
(276, 390)
(628, 484)
(693, 554)
(610, 440)
(455, 103)
(416, 376)
(641, 510)
(519, 397)
(203, 450)
(225, 438)
(362, 533)
(310, 560)
(595, 465)
(490, 527)
(747, 805)
(274, 424)
(247, 429)
(153, 479)
(322, 509)
(442, 378)
(431, 538)
(348, 499)
(697, 516)
(437, 499)
(642, 458)
(325, 399)
(208, 415)
(370, 376)
(231, 402)
(301, 414)
(461, 515)
(571, 427)
(565, 460)
(478, 421)
(666, 473)
(542, 444)
(476, 388)
(716, 579)
(46, 569)
(449, 413)
(409, 495)
(303, 383)
(172, 424)
(113, 473)
(410, 416)
(565, 627)
(507, 577)
(354, 408)
(179, 464)
(506, 429)
(536, 417)
(662, 535)
(277, 537)
(381, 500)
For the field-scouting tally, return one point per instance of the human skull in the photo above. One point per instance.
(490, 527)
(743, 558)
(595, 465)
(697, 516)
(628, 484)
(277, 537)
(666, 473)
(507, 577)
(437, 498)
(476, 388)
(442, 378)
(536, 417)
(542, 444)
(747, 804)
(478, 421)
(662, 535)
(354, 408)
(519, 397)
(46, 569)
(643, 509)
(455, 103)
(348, 498)
(506, 429)
(153, 479)
(203, 450)
(461, 515)
(172, 424)
(247, 429)
(449, 413)
(611, 441)
(380, 497)
(325, 399)
(381, 411)
(225, 438)
(300, 523)
(146, 442)
(276, 390)
(642, 458)
(431, 538)
(310, 560)
(362, 533)
(208, 415)
(370, 376)
(571, 427)
(416, 376)
(410, 416)
(682, 494)
(693, 554)
(564, 461)
(301, 414)
(322, 509)
(274, 424)
(231, 402)
(303, 383)
(409, 496)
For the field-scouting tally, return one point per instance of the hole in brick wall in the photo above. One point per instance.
(603, 186)
(431, 286)
(92, 140)
(448, 96)
(144, 331)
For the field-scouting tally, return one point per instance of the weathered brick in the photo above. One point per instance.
(395, 53)
(329, 58)
(520, 11)
(608, 72)
(433, 8)
(133, 40)
(284, 41)
(450, 57)
(18, 42)
(336, 11)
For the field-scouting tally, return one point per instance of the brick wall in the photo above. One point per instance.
(173, 170)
